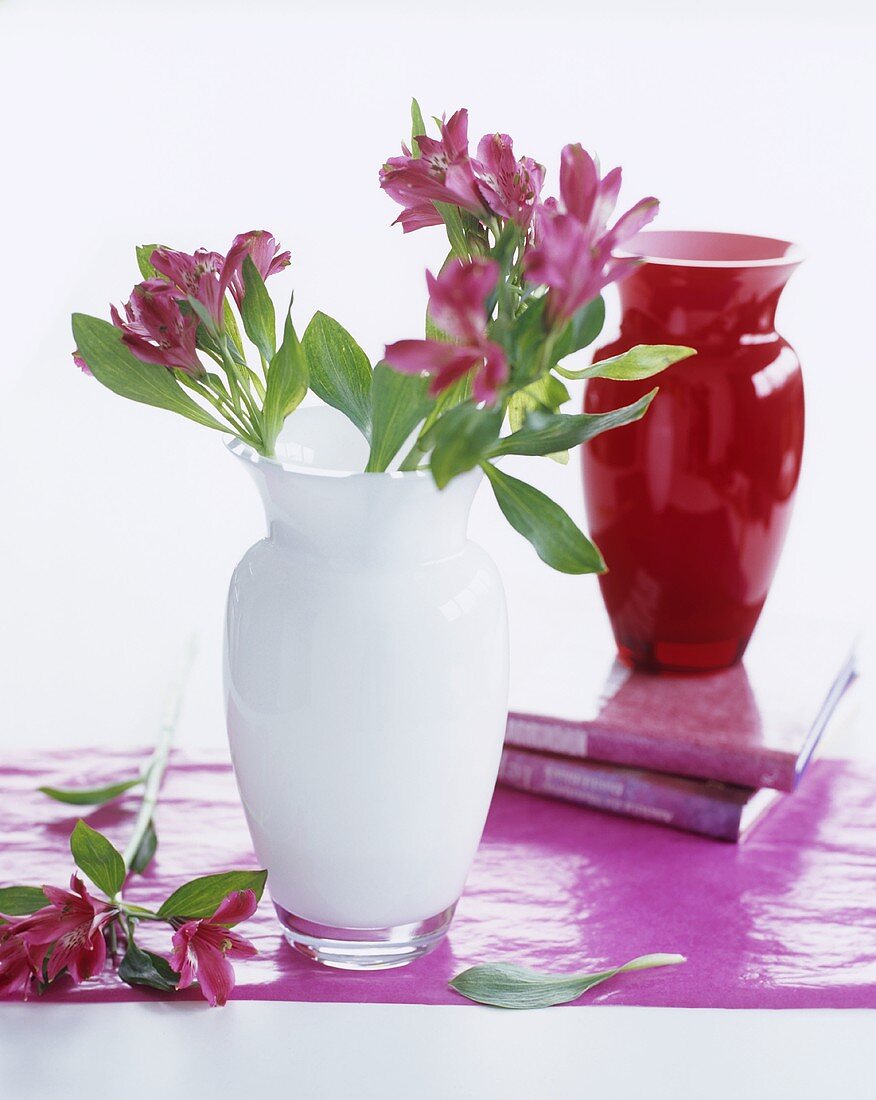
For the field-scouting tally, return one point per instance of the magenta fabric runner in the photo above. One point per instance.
(785, 920)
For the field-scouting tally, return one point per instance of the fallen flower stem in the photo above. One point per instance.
(153, 772)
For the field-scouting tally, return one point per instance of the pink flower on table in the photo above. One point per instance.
(458, 306)
(156, 329)
(265, 253)
(443, 172)
(18, 969)
(202, 948)
(509, 187)
(573, 254)
(72, 925)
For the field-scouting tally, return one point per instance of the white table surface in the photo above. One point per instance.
(121, 525)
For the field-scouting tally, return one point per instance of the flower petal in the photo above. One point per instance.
(215, 975)
(237, 906)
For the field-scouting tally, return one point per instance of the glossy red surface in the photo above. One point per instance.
(787, 919)
(690, 505)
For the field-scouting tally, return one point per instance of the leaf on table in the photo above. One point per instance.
(506, 986)
(139, 967)
(145, 850)
(96, 857)
(19, 901)
(90, 796)
(202, 896)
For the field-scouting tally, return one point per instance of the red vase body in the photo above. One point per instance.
(690, 505)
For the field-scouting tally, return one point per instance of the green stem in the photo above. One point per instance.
(455, 395)
(153, 772)
(243, 391)
(221, 404)
(257, 382)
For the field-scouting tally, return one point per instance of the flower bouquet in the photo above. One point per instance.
(519, 293)
(366, 657)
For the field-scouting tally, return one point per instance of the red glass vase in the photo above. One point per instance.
(691, 504)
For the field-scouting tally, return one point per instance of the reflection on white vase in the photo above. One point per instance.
(366, 671)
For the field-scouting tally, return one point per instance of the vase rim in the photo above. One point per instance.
(704, 248)
(248, 453)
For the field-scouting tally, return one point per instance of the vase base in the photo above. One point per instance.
(364, 948)
(683, 656)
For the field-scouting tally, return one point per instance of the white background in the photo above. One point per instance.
(186, 123)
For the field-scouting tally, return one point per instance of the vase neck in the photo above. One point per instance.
(705, 289)
(375, 520)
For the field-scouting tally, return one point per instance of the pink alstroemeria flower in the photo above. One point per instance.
(443, 172)
(509, 187)
(81, 364)
(265, 253)
(198, 275)
(156, 330)
(72, 925)
(18, 970)
(573, 251)
(201, 948)
(208, 275)
(457, 305)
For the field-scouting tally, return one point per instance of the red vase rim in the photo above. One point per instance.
(696, 248)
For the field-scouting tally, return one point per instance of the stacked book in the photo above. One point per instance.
(709, 753)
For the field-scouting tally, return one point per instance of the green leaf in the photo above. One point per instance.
(546, 392)
(453, 223)
(201, 897)
(398, 403)
(523, 341)
(581, 330)
(461, 438)
(145, 850)
(204, 316)
(545, 433)
(339, 370)
(507, 986)
(90, 796)
(97, 858)
(418, 127)
(286, 385)
(18, 901)
(112, 364)
(232, 332)
(555, 537)
(257, 311)
(144, 262)
(139, 967)
(642, 361)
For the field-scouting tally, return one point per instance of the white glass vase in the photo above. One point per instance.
(366, 673)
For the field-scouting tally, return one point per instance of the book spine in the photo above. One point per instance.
(591, 741)
(665, 800)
